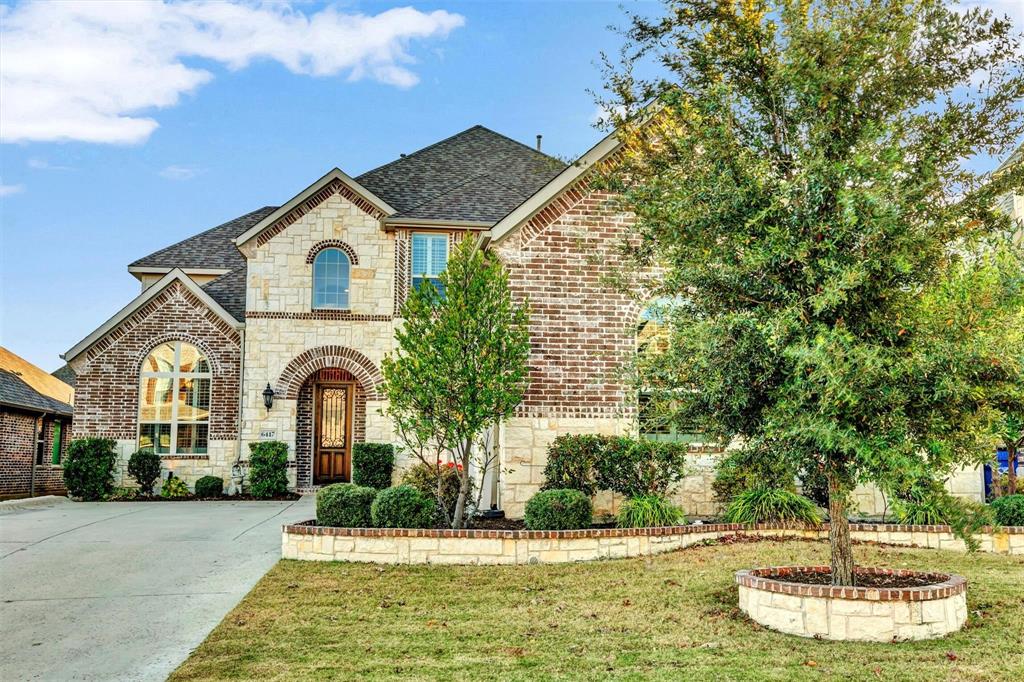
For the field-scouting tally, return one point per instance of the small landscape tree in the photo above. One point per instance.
(459, 366)
(839, 292)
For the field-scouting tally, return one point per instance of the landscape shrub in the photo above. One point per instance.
(144, 467)
(633, 467)
(210, 486)
(89, 468)
(268, 468)
(122, 494)
(403, 507)
(345, 505)
(372, 464)
(174, 488)
(762, 504)
(649, 511)
(745, 469)
(563, 509)
(1009, 510)
(424, 478)
(572, 462)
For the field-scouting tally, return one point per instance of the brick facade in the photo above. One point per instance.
(107, 393)
(18, 454)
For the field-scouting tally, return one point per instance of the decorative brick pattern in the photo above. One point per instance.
(332, 244)
(306, 364)
(853, 613)
(304, 422)
(434, 546)
(332, 188)
(340, 315)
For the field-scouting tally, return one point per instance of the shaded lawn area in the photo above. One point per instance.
(672, 616)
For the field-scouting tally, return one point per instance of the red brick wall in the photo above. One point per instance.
(18, 451)
(582, 329)
(106, 395)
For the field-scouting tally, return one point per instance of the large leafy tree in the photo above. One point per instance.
(459, 367)
(837, 286)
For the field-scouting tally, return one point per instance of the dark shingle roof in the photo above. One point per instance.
(214, 248)
(66, 374)
(229, 291)
(484, 174)
(15, 392)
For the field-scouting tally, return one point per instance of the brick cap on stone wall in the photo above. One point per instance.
(772, 579)
(310, 528)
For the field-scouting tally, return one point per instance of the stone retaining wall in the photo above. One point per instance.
(853, 613)
(310, 542)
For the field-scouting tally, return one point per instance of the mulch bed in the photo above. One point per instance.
(881, 581)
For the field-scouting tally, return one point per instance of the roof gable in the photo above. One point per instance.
(36, 379)
(176, 275)
(335, 180)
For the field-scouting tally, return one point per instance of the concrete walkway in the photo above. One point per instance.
(125, 590)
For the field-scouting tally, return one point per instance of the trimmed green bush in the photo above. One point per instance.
(268, 468)
(210, 486)
(1009, 510)
(572, 462)
(563, 509)
(762, 504)
(144, 467)
(403, 507)
(749, 468)
(633, 467)
(174, 488)
(89, 468)
(424, 477)
(372, 464)
(345, 505)
(649, 511)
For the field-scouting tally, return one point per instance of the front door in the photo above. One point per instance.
(332, 436)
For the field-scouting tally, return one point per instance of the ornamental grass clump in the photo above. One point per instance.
(559, 510)
(761, 505)
(345, 505)
(649, 511)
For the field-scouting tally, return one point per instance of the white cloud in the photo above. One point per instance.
(8, 190)
(84, 70)
(180, 172)
(43, 164)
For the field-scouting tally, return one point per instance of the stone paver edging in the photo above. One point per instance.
(307, 541)
(867, 614)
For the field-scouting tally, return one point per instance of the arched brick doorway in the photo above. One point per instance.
(330, 416)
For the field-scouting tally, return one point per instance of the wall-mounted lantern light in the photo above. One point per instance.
(268, 397)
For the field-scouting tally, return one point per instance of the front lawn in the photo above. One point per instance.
(668, 617)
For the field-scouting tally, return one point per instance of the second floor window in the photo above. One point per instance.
(429, 258)
(330, 280)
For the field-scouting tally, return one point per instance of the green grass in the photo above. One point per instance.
(672, 617)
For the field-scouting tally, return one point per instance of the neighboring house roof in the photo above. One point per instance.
(484, 175)
(24, 385)
(142, 299)
(66, 374)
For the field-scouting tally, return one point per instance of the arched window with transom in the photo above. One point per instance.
(330, 280)
(174, 400)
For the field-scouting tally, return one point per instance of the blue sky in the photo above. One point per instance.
(186, 142)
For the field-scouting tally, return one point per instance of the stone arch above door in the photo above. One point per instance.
(323, 357)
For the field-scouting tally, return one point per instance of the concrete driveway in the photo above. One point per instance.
(125, 590)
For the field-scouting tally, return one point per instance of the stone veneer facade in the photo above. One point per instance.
(310, 542)
(853, 614)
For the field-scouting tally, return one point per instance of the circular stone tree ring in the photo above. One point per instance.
(889, 606)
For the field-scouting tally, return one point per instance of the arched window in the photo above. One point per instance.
(330, 280)
(174, 400)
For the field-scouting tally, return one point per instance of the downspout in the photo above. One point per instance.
(236, 468)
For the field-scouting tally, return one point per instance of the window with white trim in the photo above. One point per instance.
(429, 259)
(330, 280)
(174, 400)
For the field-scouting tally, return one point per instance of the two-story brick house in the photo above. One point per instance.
(303, 299)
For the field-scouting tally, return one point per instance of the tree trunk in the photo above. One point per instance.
(839, 533)
(1011, 474)
(460, 506)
